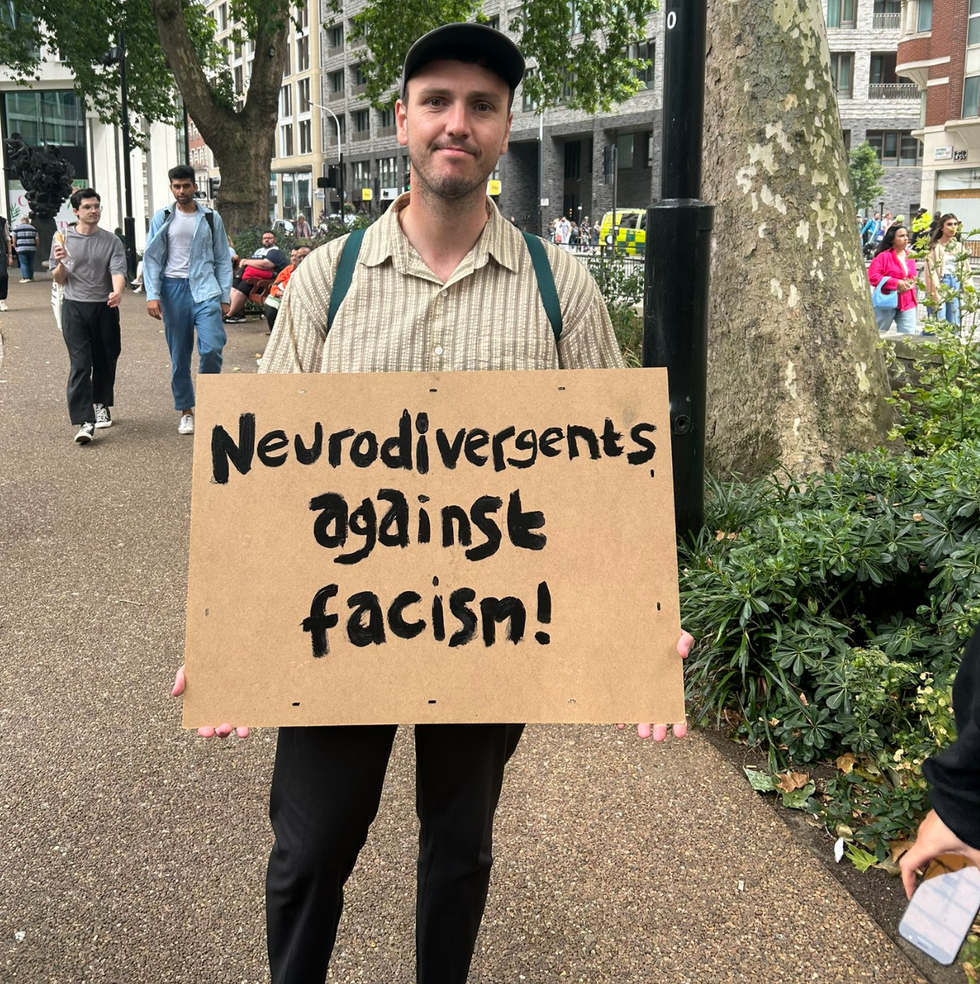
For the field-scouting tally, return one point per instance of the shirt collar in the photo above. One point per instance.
(385, 240)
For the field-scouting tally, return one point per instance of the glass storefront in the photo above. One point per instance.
(959, 192)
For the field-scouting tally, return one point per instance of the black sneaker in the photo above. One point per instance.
(85, 433)
(102, 416)
(237, 320)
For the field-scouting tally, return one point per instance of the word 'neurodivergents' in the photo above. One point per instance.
(410, 450)
(336, 523)
(370, 623)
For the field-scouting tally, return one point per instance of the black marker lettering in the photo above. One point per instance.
(494, 610)
(422, 445)
(576, 431)
(476, 440)
(273, 441)
(396, 452)
(450, 452)
(551, 437)
(308, 455)
(480, 514)
(319, 621)
(525, 441)
(364, 522)
(364, 450)
(457, 513)
(459, 607)
(611, 440)
(396, 621)
(224, 449)
(335, 446)
(649, 448)
(520, 524)
(393, 529)
(334, 510)
(372, 632)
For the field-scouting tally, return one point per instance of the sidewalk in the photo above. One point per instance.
(133, 852)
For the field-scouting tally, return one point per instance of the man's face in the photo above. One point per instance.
(300, 255)
(456, 126)
(183, 190)
(89, 211)
(268, 239)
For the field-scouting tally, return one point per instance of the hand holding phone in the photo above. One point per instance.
(941, 913)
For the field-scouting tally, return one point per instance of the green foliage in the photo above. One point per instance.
(832, 614)
(620, 282)
(82, 42)
(604, 31)
(866, 173)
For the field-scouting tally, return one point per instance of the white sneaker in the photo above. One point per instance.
(102, 416)
(85, 434)
(186, 425)
(3, 306)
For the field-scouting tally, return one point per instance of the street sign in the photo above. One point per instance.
(545, 202)
(493, 187)
(319, 195)
(366, 194)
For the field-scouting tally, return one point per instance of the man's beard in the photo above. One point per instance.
(448, 186)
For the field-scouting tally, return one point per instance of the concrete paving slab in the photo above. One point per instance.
(131, 851)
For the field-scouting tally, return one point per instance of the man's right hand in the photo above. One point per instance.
(222, 730)
(153, 310)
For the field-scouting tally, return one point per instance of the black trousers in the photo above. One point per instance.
(325, 792)
(92, 336)
(4, 278)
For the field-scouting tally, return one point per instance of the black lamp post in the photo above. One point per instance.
(114, 55)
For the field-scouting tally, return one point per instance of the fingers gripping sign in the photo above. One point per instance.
(659, 731)
(209, 731)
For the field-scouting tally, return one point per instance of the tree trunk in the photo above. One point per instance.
(795, 378)
(242, 141)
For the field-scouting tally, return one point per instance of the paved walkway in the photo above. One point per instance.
(131, 851)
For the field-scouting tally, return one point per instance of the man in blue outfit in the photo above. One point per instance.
(187, 277)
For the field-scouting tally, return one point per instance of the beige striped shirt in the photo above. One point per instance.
(399, 317)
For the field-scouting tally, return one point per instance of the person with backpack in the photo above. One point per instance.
(441, 282)
(187, 278)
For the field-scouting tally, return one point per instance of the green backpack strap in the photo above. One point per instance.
(345, 271)
(546, 282)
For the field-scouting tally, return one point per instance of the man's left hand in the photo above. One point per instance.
(659, 731)
(225, 308)
(114, 298)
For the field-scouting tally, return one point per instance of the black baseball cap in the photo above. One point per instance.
(496, 47)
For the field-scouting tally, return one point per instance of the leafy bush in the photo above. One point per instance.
(620, 283)
(832, 614)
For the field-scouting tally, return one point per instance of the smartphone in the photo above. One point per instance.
(941, 913)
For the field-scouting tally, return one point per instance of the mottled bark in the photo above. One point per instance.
(242, 142)
(794, 376)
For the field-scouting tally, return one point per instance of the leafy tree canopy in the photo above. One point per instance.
(580, 55)
(866, 173)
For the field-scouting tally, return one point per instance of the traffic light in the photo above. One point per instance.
(408, 179)
(213, 185)
(333, 177)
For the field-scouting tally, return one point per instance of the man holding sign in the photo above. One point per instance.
(441, 283)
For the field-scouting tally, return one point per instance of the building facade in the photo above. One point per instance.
(877, 101)
(940, 50)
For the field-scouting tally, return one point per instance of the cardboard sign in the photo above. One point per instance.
(419, 548)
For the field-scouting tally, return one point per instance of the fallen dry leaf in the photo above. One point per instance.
(788, 781)
(846, 763)
(897, 848)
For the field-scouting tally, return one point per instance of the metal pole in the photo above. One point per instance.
(675, 331)
(340, 153)
(541, 174)
(129, 223)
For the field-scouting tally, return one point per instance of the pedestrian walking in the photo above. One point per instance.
(6, 260)
(90, 263)
(894, 269)
(942, 269)
(26, 242)
(440, 283)
(187, 279)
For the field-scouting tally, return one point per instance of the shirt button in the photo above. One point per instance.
(438, 350)
(444, 292)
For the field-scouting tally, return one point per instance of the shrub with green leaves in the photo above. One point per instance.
(832, 614)
(620, 283)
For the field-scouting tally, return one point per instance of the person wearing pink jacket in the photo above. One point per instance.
(893, 264)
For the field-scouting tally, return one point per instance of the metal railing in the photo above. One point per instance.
(887, 22)
(893, 90)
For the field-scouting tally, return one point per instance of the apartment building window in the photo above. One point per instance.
(239, 79)
(305, 137)
(896, 148)
(362, 172)
(923, 16)
(362, 121)
(287, 70)
(842, 13)
(286, 101)
(645, 51)
(286, 140)
(973, 23)
(336, 81)
(887, 15)
(624, 151)
(335, 36)
(238, 51)
(842, 72)
(846, 134)
(971, 97)
(386, 121)
(303, 18)
(303, 53)
(527, 104)
(387, 172)
(303, 95)
(223, 17)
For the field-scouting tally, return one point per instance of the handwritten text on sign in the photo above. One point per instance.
(409, 547)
